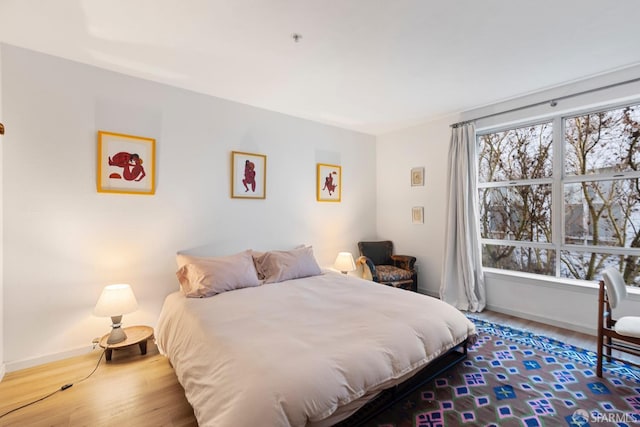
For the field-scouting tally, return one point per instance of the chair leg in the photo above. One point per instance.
(600, 355)
(602, 305)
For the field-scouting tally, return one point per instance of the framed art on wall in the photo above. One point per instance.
(417, 215)
(248, 175)
(328, 183)
(126, 163)
(417, 177)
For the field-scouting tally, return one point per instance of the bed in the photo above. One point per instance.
(303, 351)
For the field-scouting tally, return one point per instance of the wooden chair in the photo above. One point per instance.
(623, 334)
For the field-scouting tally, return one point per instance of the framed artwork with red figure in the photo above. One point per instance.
(126, 163)
(328, 183)
(248, 175)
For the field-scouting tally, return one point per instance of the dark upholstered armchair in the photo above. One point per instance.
(380, 265)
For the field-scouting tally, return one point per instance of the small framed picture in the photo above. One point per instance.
(248, 175)
(328, 183)
(417, 177)
(417, 215)
(126, 163)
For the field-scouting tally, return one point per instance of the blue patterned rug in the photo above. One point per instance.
(554, 347)
(516, 378)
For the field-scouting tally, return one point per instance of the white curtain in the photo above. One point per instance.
(462, 278)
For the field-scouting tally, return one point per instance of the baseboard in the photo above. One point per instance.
(428, 292)
(41, 360)
(530, 316)
(2, 371)
(546, 320)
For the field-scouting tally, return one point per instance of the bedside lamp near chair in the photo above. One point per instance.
(344, 262)
(115, 301)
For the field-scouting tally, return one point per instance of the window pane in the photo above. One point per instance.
(605, 213)
(603, 142)
(530, 260)
(523, 153)
(520, 212)
(589, 265)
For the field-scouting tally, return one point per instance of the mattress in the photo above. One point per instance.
(303, 352)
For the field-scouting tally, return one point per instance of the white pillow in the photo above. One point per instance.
(204, 277)
(277, 266)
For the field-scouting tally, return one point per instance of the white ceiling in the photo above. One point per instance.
(367, 65)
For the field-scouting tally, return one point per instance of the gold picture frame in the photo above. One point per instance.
(417, 177)
(328, 183)
(126, 163)
(417, 215)
(248, 175)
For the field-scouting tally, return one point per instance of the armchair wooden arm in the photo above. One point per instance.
(406, 262)
(369, 269)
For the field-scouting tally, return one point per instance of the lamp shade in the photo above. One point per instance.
(344, 262)
(116, 300)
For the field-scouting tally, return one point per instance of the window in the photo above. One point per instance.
(562, 197)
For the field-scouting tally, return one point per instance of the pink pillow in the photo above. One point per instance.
(204, 277)
(277, 266)
(255, 255)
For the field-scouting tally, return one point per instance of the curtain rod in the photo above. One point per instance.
(553, 101)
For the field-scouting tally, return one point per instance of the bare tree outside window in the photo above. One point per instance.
(511, 210)
(600, 215)
(603, 212)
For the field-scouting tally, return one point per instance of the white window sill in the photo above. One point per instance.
(580, 286)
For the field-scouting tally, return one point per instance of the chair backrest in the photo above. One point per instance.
(616, 287)
(378, 252)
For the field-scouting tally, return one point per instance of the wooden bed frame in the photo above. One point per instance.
(393, 395)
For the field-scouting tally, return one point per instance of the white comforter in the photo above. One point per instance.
(292, 353)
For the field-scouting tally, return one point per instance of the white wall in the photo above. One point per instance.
(64, 241)
(569, 304)
(421, 146)
(2, 366)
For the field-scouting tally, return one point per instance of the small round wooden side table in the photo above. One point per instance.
(135, 335)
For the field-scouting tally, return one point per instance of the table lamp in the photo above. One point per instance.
(115, 301)
(344, 262)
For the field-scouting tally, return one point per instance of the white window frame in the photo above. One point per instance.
(557, 181)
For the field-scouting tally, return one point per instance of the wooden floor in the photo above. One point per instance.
(136, 390)
(130, 390)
